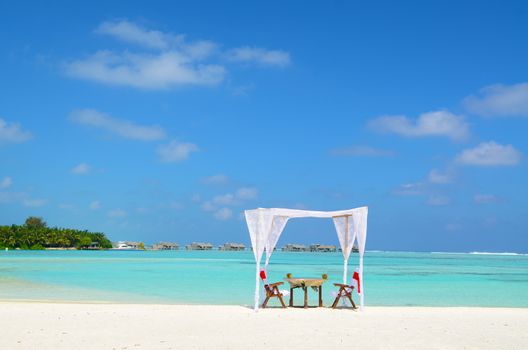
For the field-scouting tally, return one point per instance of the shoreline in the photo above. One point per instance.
(31, 325)
(249, 306)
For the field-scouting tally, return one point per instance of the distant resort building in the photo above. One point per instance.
(294, 248)
(232, 247)
(323, 248)
(165, 246)
(199, 246)
(93, 246)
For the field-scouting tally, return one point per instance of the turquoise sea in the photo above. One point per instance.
(216, 277)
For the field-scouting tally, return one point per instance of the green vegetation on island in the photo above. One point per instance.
(35, 234)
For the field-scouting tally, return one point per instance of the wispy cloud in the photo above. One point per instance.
(500, 101)
(438, 200)
(218, 179)
(246, 193)
(171, 60)
(438, 123)
(436, 176)
(259, 56)
(117, 213)
(485, 198)
(176, 151)
(361, 151)
(218, 204)
(133, 33)
(490, 154)
(6, 182)
(95, 205)
(451, 227)
(120, 127)
(13, 133)
(223, 214)
(145, 71)
(410, 189)
(7, 195)
(34, 202)
(81, 169)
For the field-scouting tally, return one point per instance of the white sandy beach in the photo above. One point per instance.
(32, 325)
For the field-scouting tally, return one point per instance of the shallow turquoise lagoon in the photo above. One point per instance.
(216, 277)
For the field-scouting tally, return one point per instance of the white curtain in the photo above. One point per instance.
(360, 228)
(346, 235)
(279, 222)
(259, 226)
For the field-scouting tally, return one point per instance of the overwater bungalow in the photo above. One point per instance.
(294, 248)
(323, 248)
(232, 247)
(165, 246)
(199, 246)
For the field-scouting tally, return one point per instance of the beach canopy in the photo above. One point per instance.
(265, 227)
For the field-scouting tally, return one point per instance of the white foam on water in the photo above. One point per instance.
(495, 253)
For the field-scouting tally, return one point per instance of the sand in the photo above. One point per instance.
(33, 325)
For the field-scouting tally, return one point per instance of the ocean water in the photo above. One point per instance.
(216, 277)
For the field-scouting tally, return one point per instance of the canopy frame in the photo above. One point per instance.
(266, 225)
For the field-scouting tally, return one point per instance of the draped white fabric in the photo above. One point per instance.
(360, 227)
(276, 229)
(347, 235)
(265, 227)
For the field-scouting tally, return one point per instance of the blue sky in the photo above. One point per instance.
(162, 121)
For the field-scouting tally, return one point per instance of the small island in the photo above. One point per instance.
(35, 234)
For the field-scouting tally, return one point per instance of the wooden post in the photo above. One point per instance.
(305, 297)
(321, 295)
(291, 297)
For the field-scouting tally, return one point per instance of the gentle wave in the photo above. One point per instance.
(495, 253)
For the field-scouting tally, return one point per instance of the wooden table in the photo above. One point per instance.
(304, 283)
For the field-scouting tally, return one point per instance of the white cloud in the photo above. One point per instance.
(12, 132)
(95, 205)
(170, 61)
(208, 206)
(176, 151)
(438, 177)
(218, 179)
(6, 182)
(145, 71)
(258, 55)
(135, 34)
(219, 204)
(452, 227)
(437, 200)
(223, 214)
(410, 189)
(246, 193)
(23, 198)
(490, 154)
(437, 123)
(154, 39)
(176, 205)
(500, 101)
(33, 202)
(121, 127)
(361, 151)
(81, 169)
(485, 198)
(226, 199)
(117, 213)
